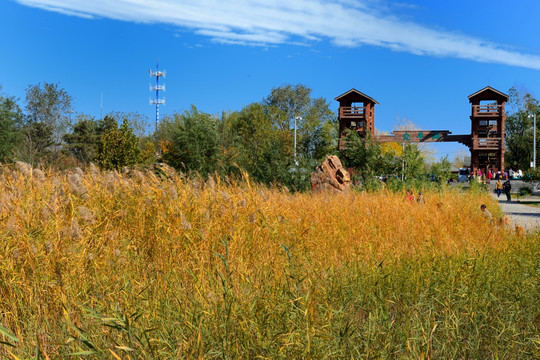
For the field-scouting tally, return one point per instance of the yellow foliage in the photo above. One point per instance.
(393, 148)
(165, 146)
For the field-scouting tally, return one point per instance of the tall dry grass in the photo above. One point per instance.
(108, 265)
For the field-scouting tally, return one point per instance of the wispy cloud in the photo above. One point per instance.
(349, 23)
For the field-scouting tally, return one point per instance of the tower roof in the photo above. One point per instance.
(354, 95)
(488, 93)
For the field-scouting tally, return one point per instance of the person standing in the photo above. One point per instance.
(498, 187)
(507, 187)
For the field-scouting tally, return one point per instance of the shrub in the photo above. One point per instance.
(118, 147)
(525, 191)
(478, 187)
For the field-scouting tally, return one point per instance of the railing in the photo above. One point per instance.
(356, 112)
(486, 143)
(486, 110)
(462, 139)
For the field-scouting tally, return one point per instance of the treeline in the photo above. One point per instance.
(44, 130)
(259, 139)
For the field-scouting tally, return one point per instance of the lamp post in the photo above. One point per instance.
(295, 118)
(534, 139)
(402, 162)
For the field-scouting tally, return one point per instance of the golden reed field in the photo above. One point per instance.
(155, 265)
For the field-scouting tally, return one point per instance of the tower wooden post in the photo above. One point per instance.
(488, 119)
(356, 113)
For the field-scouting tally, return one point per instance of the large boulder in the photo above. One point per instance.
(330, 175)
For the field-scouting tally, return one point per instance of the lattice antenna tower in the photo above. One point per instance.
(157, 88)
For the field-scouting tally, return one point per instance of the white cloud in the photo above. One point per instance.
(259, 38)
(63, 11)
(348, 23)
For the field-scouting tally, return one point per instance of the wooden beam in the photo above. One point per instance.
(414, 136)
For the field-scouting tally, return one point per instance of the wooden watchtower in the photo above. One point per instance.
(357, 113)
(487, 129)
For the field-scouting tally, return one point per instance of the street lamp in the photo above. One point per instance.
(295, 118)
(534, 139)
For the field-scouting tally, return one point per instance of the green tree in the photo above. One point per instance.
(441, 169)
(413, 162)
(138, 122)
(291, 101)
(10, 126)
(519, 130)
(109, 122)
(83, 141)
(315, 122)
(267, 154)
(118, 147)
(148, 151)
(258, 139)
(366, 157)
(191, 141)
(255, 144)
(37, 142)
(51, 106)
(233, 155)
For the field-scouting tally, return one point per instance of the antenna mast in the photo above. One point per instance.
(157, 88)
(101, 107)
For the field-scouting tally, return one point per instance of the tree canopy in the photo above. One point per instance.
(519, 129)
(118, 147)
(10, 126)
(192, 141)
(278, 140)
(259, 139)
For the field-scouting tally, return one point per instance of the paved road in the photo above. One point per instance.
(520, 214)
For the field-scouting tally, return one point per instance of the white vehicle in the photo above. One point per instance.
(463, 175)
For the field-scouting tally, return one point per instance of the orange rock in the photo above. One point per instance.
(330, 175)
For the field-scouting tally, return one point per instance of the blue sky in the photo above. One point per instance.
(419, 59)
